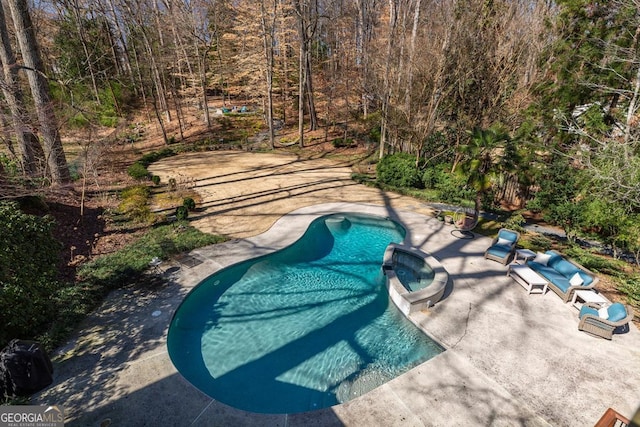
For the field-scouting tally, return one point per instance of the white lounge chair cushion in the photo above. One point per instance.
(542, 258)
(576, 280)
(504, 242)
(603, 313)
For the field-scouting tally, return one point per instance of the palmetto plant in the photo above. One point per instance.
(485, 157)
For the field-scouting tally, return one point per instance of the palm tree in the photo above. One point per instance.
(488, 153)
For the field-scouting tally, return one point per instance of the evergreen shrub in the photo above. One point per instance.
(399, 170)
(189, 203)
(29, 255)
(134, 203)
(182, 213)
(138, 171)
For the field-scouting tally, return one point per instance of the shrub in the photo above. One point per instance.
(78, 121)
(342, 142)
(154, 156)
(155, 179)
(592, 261)
(631, 287)
(28, 272)
(182, 213)
(134, 203)
(189, 203)
(138, 171)
(435, 175)
(453, 189)
(537, 242)
(515, 222)
(399, 170)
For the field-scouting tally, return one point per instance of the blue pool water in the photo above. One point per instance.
(304, 328)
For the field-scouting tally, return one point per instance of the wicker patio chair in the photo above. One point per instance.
(503, 246)
(592, 323)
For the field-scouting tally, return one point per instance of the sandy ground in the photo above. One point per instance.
(244, 193)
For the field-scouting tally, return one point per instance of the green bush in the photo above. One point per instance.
(631, 287)
(28, 269)
(154, 156)
(189, 203)
(155, 179)
(182, 213)
(134, 203)
(592, 261)
(537, 242)
(399, 170)
(78, 121)
(435, 175)
(138, 171)
(453, 188)
(342, 142)
(515, 222)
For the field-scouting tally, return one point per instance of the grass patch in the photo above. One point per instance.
(110, 271)
(97, 277)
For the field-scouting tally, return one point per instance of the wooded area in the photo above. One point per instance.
(534, 100)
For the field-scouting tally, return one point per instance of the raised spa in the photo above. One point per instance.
(415, 279)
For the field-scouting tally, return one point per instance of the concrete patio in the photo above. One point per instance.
(510, 359)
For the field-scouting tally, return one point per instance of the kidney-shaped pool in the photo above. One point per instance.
(303, 328)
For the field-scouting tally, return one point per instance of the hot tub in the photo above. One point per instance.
(415, 279)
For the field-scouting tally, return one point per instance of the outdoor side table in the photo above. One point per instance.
(524, 254)
(587, 295)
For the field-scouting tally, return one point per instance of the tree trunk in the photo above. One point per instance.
(313, 115)
(30, 149)
(302, 69)
(412, 52)
(125, 48)
(55, 156)
(202, 72)
(393, 18)
(268, 39)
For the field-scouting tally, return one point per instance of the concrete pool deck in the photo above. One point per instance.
(510, 359)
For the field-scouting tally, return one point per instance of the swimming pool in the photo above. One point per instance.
(303, 328)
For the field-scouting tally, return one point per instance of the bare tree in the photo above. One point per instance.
(30, 148)
(268, 21)
(56, 160)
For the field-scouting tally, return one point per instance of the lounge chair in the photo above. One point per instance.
(592, 323)
(503, 246)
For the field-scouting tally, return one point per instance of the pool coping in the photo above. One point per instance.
(497, 368)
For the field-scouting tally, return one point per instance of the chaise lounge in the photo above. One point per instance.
(503, 246)
(564, 276)
(603, 321)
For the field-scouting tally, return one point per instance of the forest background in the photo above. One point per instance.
(505, 105)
